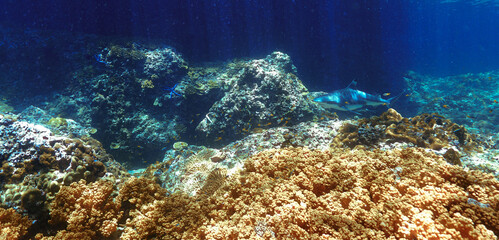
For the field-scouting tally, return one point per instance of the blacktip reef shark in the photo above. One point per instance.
(348, 99)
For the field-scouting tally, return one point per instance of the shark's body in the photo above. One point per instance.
(349, 99)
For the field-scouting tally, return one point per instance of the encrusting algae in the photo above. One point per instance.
(297, 193)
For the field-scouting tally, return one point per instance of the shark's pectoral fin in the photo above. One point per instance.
(354, 112)
(349, 107)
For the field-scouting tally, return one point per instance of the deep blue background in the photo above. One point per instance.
(331, 42)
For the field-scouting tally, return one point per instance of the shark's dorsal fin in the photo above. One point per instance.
(353, 84)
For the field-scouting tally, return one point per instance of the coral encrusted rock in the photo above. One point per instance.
(263, 93)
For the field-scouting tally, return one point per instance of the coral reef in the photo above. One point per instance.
(285, 183)
(301, 193)
(426, 130)
(57, 125)
(472, 100)
(433, 131)
(297, 193)
(123, 99)
(12, 224)
(164, 63)
(95, 210)
(186, 168)
(84, 211)
(139, 100)
(248, 154)
(192, 164)
(36, 164)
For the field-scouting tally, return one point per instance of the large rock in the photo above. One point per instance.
(264, 93)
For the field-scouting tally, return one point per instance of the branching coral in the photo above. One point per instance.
(309, 194)
(12, 224)
(297, 193)
(139, 191)
(86, 211)
(175, 217)
(304, 194)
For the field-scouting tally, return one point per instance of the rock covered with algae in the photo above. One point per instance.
(261, 94)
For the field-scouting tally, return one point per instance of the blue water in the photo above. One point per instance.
(331, 42)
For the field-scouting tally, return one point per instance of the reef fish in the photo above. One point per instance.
(349, 99)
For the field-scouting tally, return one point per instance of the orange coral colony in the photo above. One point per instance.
(297, 193)
(400, 194)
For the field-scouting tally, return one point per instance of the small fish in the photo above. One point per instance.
(98, 58)
(386, 94)
(408, 95)
(258, 130)
(445, 106)
(495, 101)
(218, 139)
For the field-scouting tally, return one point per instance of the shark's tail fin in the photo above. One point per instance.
(393, 99)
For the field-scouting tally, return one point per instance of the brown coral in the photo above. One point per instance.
(139, 191)
(425, 130)
(308, 194)
(177, 216)
(360, 195)
(12, 224)
(297, 193)
(86, 211)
